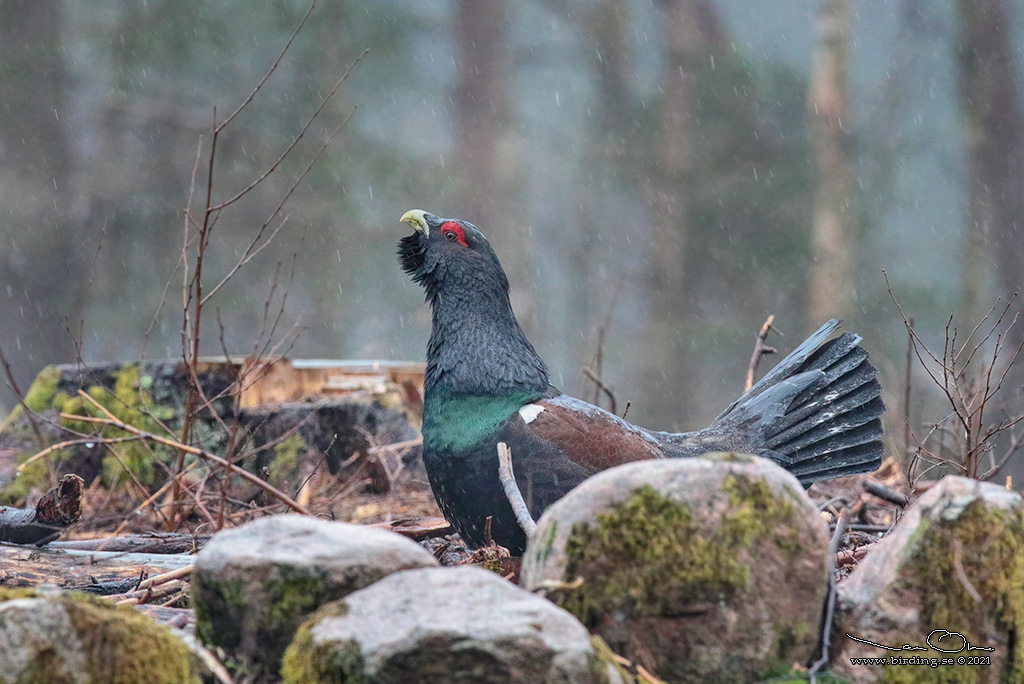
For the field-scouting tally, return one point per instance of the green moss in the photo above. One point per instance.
(16, 593)
(121, 646)
(131, 403)
(306, 662)
(226, 610)
(756, 512)
(294, 594)
(547, 544)
(217, 607)
(285, 466)
(125, 647)
(986, 546)
(648, 556)
(791, 676)
(41, 392)
(606, 658)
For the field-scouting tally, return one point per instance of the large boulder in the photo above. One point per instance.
(445, 625)
(254, 585)
(700, 569)
(951, 573)
(72, 638)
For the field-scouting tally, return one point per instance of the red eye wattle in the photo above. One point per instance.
(454, 232)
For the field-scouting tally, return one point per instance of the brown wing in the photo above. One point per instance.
(588, 435)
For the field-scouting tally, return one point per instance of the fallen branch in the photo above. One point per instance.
(149, 595)
(760, 349)
(111, 587)
(59, 507)
(515, 497)
(885, 493)
(150, 542)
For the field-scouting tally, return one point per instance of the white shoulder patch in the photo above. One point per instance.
(530, 412)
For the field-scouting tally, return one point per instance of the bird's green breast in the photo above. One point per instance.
(455, 423)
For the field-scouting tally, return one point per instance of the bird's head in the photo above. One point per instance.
(444, 252)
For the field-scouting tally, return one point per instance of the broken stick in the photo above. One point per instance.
(760, 349)
(512, 493)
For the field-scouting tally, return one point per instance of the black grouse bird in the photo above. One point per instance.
(817, 413)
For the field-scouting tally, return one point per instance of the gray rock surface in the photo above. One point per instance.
(445, 625)
(699, 569)
(254, 585)
(954, 562)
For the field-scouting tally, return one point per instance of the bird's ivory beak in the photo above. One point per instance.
(416, 219)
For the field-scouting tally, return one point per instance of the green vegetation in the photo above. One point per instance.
(284, 469)
(985, 545)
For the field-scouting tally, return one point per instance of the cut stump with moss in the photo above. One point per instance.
(953, 563)
(702, 569)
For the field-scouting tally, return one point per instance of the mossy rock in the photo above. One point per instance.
(954, 562)
(441, 625)
(703, 569)
(69, 638)
(254, 585)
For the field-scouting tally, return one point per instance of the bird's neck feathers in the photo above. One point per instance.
(477, 347)
(480, 366)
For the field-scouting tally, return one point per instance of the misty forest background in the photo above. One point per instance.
(656, 176)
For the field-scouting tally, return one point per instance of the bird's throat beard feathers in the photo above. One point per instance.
(412, 255)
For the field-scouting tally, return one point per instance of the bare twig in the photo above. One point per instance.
(12, 383)
(968, 381)
(906, 391)
(830, 601)
(760, 349)
(515, 497)
(603, 387)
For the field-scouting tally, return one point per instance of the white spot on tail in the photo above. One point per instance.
(530, 411)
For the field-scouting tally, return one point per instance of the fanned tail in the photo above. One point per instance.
(817, 413)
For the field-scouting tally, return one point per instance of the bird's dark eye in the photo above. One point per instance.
(450, 234)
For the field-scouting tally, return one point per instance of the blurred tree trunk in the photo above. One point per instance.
(608, 26)
(994, 129)
(481, 104)
(832, 283)
(42, 255)
(596, 236)
(689, 30)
